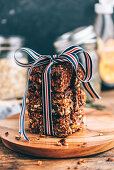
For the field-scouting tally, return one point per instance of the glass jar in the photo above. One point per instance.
(12, 77)
(104, 27)
(86, 38)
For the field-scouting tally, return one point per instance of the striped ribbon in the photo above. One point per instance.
(69, 55)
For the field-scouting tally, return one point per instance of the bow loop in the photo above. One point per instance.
(73, 49)
(70, 55)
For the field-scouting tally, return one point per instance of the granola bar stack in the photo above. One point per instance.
(68, 100)
(35, 110)
(62, 98)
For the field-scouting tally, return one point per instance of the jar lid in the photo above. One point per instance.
(83, 35)
(103, 8)
(16, 41)
(11, 43)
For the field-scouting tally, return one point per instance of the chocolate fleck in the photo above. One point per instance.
(17, 137)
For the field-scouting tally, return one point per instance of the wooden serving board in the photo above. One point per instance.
(96, 137)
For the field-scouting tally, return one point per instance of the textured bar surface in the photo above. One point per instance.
(68, 100)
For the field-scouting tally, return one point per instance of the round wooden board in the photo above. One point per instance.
(96, 137)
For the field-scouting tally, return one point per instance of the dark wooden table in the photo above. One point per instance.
(13, 160)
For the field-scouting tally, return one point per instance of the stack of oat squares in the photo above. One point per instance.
(68, 100)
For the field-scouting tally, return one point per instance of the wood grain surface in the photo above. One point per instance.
(96, 137)
(13, 160)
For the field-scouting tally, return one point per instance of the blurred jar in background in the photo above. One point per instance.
(86, 38)
(12, 77)
(104, 28)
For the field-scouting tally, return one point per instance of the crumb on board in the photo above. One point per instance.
(81, 161)
(65, 144)
(62, 142)
(84, 143)
(39, 163)
(76, 167)
(100, 134)
(78, 145)
(59, 143)
(110, 159)
(17, 137)
(6, 133)
(37, 138)
(34, 139)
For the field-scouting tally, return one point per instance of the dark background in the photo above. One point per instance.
(40, 22)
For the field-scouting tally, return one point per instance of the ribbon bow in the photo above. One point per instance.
(69, 55)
